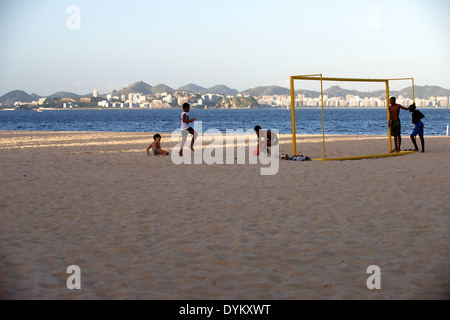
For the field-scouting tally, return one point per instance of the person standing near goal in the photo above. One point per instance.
(394, 123)
(417, 116)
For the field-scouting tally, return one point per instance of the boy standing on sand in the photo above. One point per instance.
(156, 146)
(186, 128)
(394, 123)
(418, 127)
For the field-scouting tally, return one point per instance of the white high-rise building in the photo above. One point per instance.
(95, 93)
(168, 99)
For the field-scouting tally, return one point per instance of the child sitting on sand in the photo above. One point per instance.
(156, 146)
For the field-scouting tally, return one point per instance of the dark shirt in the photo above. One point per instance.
(417, 116)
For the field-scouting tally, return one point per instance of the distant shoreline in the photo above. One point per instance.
(168, 133)
(285, 109)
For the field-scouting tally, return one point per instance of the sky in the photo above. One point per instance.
(78, 45)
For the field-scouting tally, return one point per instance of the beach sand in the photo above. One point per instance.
(143, 227)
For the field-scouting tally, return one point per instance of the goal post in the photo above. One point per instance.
(319, 77)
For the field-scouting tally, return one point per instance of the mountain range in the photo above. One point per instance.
(423, 92)
(144, 88)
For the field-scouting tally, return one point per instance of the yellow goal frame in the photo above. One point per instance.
(319, 77)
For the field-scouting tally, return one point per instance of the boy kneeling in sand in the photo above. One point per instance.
(156, 147)
(266, 139)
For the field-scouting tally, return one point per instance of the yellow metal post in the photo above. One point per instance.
(318, 77)
(323, 120)
(294, 139)
(401, 153)
(388, 115)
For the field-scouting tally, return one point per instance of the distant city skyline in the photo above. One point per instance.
(79, 46)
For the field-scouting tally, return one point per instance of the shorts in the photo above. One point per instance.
(395, 128)
(184, 134)
(186, 131)
(418, 130)
(155, 151)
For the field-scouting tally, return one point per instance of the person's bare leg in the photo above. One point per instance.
(422, 140)
(162, 152)
(183, 141)
(395, 144)
(193, 140)
(413, 139)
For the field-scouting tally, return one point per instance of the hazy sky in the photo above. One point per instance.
(46, 46)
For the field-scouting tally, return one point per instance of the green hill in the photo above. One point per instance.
(267, 91)
(64, 94)
(425, 92)
(14, 96)
(237, 102)
(221, 89)
(307, 93)
(35, 97)
(337, 91)
(192, 88)
(160, 88)
(138, 87)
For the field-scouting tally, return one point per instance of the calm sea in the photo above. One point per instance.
(309, 121)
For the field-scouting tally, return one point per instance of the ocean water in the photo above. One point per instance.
(362, 121)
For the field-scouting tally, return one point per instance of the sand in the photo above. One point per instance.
(144, 228)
